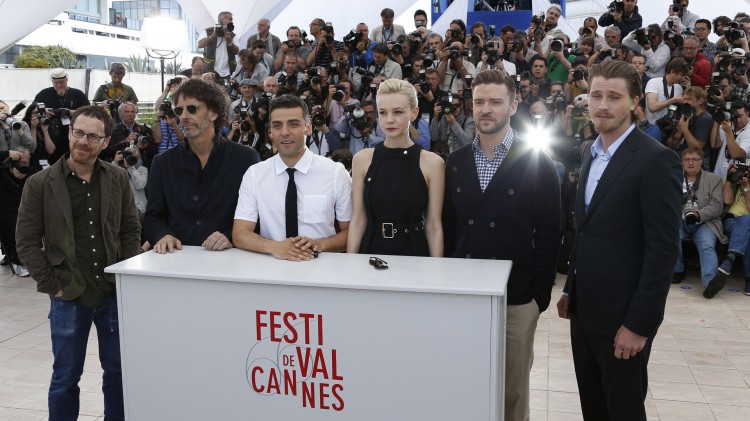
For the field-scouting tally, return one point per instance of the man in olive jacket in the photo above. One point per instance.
(76, 218)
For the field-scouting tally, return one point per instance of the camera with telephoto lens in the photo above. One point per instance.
(314, 74)
(65, 112)
(329, 32)
(580, 74)
(468, 79)
(690, 210)
(454, 53)
(352, 39)
(429, 58)
(242, 109)
(475, 38)
(42, 109)
(455, 34)
(734, 32)
(556, 102)
(318, 114)
(676, 7)
(740, 65)
(166, 107)
(616, 6)
(293, 43)
(493, 29)
(586, 31)
(742, 170)
(221, 30)
(675, 113)
(515, 46)
(424, 85)
(537, 19)
(340, 92)
(722, 112)
(641, 36)
(676, 39)
(725, 59)
(492, 55)
(557, 45)
(127, 156)
(263, 102)
(10, 121)
(396, 48)
(357, 116)
(446, 103)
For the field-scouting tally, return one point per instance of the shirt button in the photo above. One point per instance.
(88, 194)
(199, 223)
(89, 208)
(468, 256)
(492, 225)
(93, 250)
(458, 189)
(471, 222)
(91, 222)
(195, 198)
(92, 235)
(96, 264)
(97, 276)
(511, 192)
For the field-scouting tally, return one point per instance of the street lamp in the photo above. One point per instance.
(163, 38)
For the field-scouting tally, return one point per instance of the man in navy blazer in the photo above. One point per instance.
(503, 202)
(627, 233)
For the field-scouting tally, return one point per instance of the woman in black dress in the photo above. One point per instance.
(397, 187)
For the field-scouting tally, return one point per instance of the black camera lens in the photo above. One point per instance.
(397, 49)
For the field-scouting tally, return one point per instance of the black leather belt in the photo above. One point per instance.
(390, 230)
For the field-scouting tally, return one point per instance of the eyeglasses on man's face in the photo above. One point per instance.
(91, 137)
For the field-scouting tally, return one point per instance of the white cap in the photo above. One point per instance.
(579, 99)
(738, 51)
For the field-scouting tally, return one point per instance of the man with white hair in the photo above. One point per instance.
(273, 43)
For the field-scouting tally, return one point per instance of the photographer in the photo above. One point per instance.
(474, 42)
(291, 75)
(736, 225)
(453, 69)
(694, 131)
(702, 31)
(427, 98)
(14, 169)
(661, 92)
(702, 206)
(15, 132)
(325, 48)
(127, 133)
(588, 30)
(115, 92)
(639, 63)
(388, 31)
(648, 41)
(39, 130)
(382, 64)
(220, 47)
(450, 126)
(167, 128)
(360, 47)
(558, 63)
(360, 126)
(624, 15)
(538, 38)
(293, 45)
(577, 82)
(700, 67)
(249, 68)
(731, 137)
(322, 140)
(339, 98)
(56, 99)
(679, 8)
(130, 159)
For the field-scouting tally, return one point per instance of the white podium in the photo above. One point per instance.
(235, 335)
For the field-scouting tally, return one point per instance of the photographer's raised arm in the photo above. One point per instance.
(654, 104)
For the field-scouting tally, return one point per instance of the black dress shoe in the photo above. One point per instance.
(715, 285)
(678, 277)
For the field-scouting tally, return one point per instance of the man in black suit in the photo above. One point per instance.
(627, 234)
(503, 202)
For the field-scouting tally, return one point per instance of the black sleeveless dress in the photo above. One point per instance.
(395, 197)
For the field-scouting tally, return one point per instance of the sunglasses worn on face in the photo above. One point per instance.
(190, 109)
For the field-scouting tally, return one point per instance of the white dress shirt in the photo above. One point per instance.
(324, 195)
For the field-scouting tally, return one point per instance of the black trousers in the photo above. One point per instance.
(8, 237)
(609, 389)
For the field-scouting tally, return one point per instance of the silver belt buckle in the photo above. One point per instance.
(392, 230)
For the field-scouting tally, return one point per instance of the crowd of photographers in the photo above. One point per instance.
(695, 96)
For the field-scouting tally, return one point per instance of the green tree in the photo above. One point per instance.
(47, 56)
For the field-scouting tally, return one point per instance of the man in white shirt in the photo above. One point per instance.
(737, 140)
(657, 53)
(321, 196)
(661, 92)
(221, 45)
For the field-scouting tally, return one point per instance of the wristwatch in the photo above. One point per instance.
(745, 189)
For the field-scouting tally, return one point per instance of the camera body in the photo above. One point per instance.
(166, 107)
(318, 115)
(742, 170)
(356, 115)
(556, 102)
(446, 103)
(352, 39)
(221, 30)
(580, 74)
(641, 36)
(616, 6)
(690, 210)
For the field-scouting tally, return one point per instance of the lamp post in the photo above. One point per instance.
(163, 38)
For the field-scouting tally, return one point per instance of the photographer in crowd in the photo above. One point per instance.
(15, 133)
(382, 63)
(129, 134)
(623, 14)
(59, 100)
(114, 93)
(325, 48)
(167, 128)
(197, 65)
(14, 169)
(702, 31)
(293, 45)
(450, 127)
(678, 8)
(700, 67)
(359, 127)
(130, 159)
(731, 137)
(648, 41)
(220, 47)
(694, 127)
(736, 226)
(264, 35)
(661, 92)
(38, 123)
(702, 206)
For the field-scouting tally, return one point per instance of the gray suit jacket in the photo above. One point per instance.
(44, 232)
(377, 33)
(711, 203)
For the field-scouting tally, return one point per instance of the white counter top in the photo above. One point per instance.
(329, 270)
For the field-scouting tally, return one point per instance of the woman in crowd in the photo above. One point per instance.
(397, 187)
(40, 133)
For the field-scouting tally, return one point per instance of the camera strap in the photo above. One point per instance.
(667, 94)
(691, 191)
(314, 137)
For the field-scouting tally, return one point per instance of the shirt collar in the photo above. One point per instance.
(506, 143)
(598, 148)
(303, 165)
(67, 171)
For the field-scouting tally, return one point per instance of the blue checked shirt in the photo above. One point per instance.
(486, 168)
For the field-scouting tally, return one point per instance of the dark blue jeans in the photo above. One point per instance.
(70, 324)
